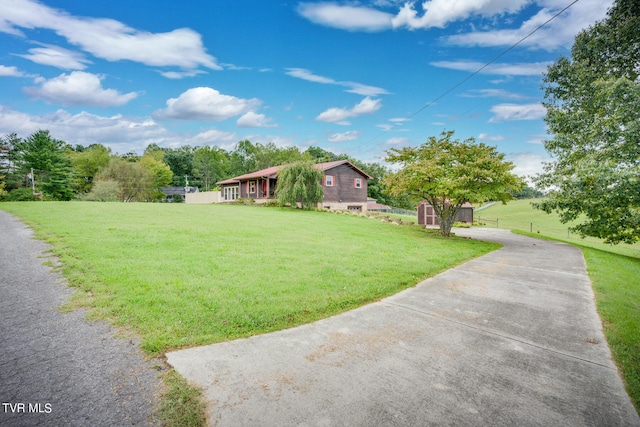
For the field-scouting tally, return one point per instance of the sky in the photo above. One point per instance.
(352, 77)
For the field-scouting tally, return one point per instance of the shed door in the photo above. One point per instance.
(431, 216)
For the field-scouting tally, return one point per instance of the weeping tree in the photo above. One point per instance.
(299, 183)
(448, 173)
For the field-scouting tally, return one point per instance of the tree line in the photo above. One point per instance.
(49, 167)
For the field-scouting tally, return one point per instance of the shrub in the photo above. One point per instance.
(20, 195)
(103, 191)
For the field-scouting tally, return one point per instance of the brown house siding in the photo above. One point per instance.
(343, 189)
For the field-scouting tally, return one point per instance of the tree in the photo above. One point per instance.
(449, 173)
(299, 183)
(135, 182)
(161, 172)
(10, 179)
(86, 163)
(593, 115)
(243, 158)
(210, 164)
(49, 159)
(180, 160)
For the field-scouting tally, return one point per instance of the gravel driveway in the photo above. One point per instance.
(59, 369)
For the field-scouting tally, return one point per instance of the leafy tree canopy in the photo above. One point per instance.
(593, 115)
(210, 164)
(449, 173)
(86, 163)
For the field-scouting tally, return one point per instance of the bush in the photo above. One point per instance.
(19, 195)
(103, 191)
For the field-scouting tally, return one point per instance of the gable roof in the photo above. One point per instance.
(272, 172)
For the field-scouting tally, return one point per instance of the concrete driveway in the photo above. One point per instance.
(511, 338)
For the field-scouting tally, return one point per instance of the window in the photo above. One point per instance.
(328, 181)
(230, 193)
(357, 183)
(252, 187)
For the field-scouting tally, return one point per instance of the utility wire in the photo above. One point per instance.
(504, 52)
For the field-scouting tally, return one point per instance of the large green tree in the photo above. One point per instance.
(593, 116)
(86, 163)
(210, 164)
(299, 183)
(135, 182)
(49, 159)
(448, 173)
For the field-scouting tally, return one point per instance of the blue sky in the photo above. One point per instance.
(349, 76)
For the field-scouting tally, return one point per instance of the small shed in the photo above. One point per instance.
(427, 215)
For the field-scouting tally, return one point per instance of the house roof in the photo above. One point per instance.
(273, 171)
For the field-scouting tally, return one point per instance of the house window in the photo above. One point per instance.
(230, 193)
(357, 183)
(252, 187)
(328, 181)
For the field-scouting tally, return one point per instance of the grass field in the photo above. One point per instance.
(615, 275)
(520, 215)
(183, 275)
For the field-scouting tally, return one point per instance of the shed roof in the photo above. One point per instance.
(465, 205)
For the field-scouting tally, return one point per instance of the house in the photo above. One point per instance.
(427, 215)
(344, 186)
(179, 191)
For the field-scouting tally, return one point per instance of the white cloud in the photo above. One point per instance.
(79, 88)
(350, 18)
(11, 72)
(487, 137)
(353, 87)
(120, 133)
(519, 69)
(527, 163)
(561, 31)
(337, 115)
(180, 74)
(205, 103)
(493, 93)
(343, 137)
(57, 57)
(413, 15)
(510, 112)
(439, 13)
(109, 39)
(398, 141)
(304, 74)
(254, 120)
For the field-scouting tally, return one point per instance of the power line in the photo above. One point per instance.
(504, 52)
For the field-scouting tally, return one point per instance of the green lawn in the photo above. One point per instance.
(183, 275)
(614, 273)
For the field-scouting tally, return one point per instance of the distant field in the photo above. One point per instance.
(183, 275)
(615, 275)
(520, 215)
